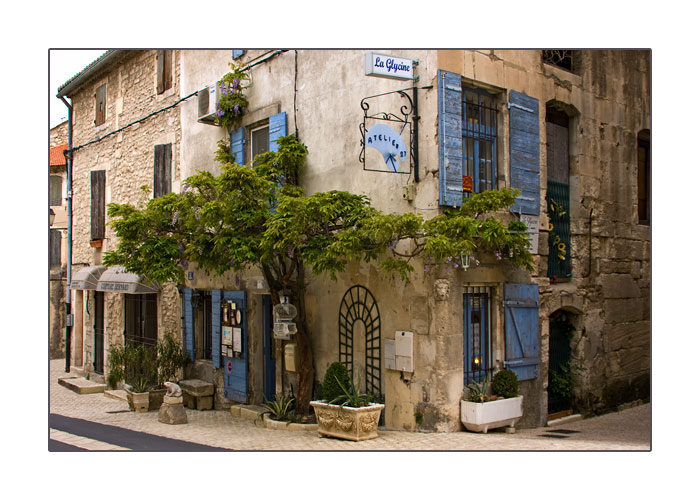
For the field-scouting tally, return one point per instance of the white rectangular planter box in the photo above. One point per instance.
(480, 417)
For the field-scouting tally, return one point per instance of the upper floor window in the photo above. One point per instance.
(479, 133)
(643, 178)
(97, 205)
(259, 140)
(164, 70)
(561, 58)
(55, 190)
(101, 104)
(162, 169)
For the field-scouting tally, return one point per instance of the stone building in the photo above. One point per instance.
(571, 129)
(58, 143)
(126, 133)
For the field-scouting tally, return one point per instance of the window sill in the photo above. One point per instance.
(96, 243)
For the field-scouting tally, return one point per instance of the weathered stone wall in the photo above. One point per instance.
(59, 134)
(127, 157)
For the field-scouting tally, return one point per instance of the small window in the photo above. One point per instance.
(643, 178)
(55, 190)
(562, 58)
(97, 205)
(162, 165)
(141, 318)
(478, 140)
(164, 70)
(260, 140)
(54, 248)
(100, 104)
(477, 335)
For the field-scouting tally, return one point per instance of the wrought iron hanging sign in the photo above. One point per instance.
(389, 134)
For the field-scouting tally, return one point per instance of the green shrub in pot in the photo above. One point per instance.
(505, 384)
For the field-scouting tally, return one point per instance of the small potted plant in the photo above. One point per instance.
(345, 412)
(479, 412)
(280, 409)
(139, 395)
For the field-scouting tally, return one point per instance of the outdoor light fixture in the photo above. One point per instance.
(52, 216)
(465, 260)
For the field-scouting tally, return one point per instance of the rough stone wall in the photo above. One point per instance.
(127, 157)
(59, 134)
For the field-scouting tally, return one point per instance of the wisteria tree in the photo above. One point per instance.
(257, 216)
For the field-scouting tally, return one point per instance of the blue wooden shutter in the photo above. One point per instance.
(237, 145)
(216, 328)
(237, 53)
(278, 128)
(450, 138)
(236, 369)
(525, 152)
(189, 322)
(522, 329)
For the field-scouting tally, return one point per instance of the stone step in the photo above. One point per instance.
(81, 385)
(565, 420)
(116, 394)
(248, 412)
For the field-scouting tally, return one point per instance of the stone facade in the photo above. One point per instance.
(136, 119)
(58, 136)
(607, 101)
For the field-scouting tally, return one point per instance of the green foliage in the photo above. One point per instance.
(478, 392)
(505, 384)
(280, 408)
(135, 364)
(233, 103)
(141, 384)
(170, 357)
(335, 379)
(351, 395)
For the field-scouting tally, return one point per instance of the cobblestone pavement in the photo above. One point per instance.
(627, 430)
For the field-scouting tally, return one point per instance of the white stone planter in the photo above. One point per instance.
(140, 400)
(356, 424)
(480, 417)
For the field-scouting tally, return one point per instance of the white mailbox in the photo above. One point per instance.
(404, 351)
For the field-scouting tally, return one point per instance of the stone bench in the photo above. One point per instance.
(197, 394)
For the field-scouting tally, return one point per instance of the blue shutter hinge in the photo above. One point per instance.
(518, 106)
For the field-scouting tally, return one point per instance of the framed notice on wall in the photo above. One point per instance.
(227, 335)
(237, 340)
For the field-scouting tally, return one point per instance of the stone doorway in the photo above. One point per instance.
(560, 389)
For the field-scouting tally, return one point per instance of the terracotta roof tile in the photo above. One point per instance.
(56, 155)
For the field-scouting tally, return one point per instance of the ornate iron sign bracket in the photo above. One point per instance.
(406, 112)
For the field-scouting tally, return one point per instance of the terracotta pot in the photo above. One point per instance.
(355, 424)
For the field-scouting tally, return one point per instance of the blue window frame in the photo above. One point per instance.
(477, 335)
(479, 132)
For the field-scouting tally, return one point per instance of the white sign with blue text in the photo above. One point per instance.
(389, 143)
(386, 66)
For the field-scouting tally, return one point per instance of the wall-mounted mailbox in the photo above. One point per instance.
(398, 353)
(290, 357)
(404, 351)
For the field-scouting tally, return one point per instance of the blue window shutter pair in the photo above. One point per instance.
(450, 138)
(277, 128)
(525, 152)
(216, 328)
(522, 329)
(189, 322)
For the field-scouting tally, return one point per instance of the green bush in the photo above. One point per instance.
(505, 384)
(335, 380)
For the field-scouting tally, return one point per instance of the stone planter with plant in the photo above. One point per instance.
(479, 412)
(345, 412)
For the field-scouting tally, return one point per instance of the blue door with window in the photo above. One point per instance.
(236, 366)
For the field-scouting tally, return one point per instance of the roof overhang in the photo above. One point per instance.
(116, 279)
(89, 72)
(87, 278)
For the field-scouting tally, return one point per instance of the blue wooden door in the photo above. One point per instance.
(522, 329)
(236, 367)
(268, 351)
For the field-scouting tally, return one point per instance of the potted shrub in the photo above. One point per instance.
(479, 412)
(139, 395)
(170, 356)
(135, 366)
(345, 412)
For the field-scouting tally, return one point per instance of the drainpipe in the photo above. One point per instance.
(69, 251)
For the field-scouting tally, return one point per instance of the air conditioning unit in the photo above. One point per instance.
(206, 104)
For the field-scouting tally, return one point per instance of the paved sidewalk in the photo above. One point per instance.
(627, 430)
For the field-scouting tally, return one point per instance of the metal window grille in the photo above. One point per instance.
(479, 132)
(477, 334)
(558, 57)
(140, 316)
(558, 210)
